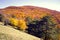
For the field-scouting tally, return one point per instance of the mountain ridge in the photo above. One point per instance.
(22, 12)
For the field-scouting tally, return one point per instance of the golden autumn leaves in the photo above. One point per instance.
(21, 24)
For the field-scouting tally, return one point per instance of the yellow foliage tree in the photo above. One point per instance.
(14, 21)
(22, 25)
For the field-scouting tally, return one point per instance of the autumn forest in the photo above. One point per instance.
(40, 22)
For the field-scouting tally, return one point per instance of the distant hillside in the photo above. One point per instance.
(29, 11)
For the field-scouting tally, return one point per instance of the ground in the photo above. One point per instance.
(8, 33)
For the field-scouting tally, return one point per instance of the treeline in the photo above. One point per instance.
(44, 28)
(14, 22)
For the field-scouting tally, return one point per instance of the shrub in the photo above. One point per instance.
(6, 21)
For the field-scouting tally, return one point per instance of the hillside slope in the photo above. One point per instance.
(30, 11)
(8, 33)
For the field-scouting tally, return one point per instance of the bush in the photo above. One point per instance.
(6, 22)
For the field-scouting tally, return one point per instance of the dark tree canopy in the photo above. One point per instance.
(44, 28)
(1, 17)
